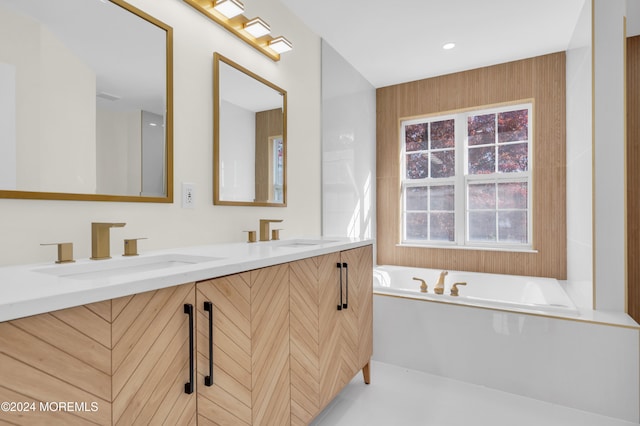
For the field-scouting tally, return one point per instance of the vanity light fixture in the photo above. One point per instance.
(448, 46)
(257, 27)
(229, 8)
(254, 32)
(280, 44)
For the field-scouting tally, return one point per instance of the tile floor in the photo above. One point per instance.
(401, 397)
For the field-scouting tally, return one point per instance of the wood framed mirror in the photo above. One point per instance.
(85, 102)
(250, 138)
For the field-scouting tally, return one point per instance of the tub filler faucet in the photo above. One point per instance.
(440, 284)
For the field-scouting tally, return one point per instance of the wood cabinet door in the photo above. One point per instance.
(271, 391)
(360, 316)
(150, 358)
(321, 344)
(310, 349)
(57, 358)
(328, 345)
(228, 400)
(338, 335)
(250, 335)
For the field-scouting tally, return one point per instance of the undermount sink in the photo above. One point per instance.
(122, 266)
(302, 243)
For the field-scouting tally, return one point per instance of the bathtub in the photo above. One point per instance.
(514, 334)
(492, 291)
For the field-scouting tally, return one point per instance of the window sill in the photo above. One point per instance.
(481, 248)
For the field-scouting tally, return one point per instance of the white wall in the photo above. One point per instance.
(348, 149)
(151, 157)
(633, 18)
(7, 126)
(67, 119)
(579, 159)
(596, 252)
(609, 155)
(54, 108)
(118, 152)
(238, 168)
(27, 223)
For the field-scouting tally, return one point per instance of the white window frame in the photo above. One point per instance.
(277, 191)
(462, 179)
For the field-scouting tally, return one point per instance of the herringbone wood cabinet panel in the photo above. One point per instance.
(328, 346)
(312, 341)
(150, 358)
(62, 356)
(360, 263)
(281, 350)
(251, 373)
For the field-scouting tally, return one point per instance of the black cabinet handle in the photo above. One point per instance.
(339, 265)
(208, 380)
(188, 387)
(346, 293)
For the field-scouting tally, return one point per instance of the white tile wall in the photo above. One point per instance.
(579, 152)
(348, 149)
(609, 154)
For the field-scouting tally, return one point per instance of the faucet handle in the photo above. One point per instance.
(131, 246)
(251, 236)
(275, 234)
(65, 252)
(454, 288)
(423, 286)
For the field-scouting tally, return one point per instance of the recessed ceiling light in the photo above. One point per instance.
(448, 46)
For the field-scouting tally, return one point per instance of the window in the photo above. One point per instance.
(466, 178)
(277, 168)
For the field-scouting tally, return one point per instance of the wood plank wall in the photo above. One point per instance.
(542, 79)
(633, 177)
(268, 124)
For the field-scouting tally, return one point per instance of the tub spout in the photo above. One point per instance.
(454, 288)
(440, 284)
(423, 285)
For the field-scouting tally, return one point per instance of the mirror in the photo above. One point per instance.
(85, 102)
(250, 138)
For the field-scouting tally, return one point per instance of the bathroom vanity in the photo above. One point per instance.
(265, 333)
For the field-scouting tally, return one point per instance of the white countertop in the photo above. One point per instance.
(37, 288)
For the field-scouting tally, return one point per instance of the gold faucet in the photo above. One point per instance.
(131, 246)
(264, 228)
(423, 285)
(440, 284)
(100, 245)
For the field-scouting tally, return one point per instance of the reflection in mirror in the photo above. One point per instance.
(85, 101)
(250, 138)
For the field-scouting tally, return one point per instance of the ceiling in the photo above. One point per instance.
(391, 42)
(126, 53)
